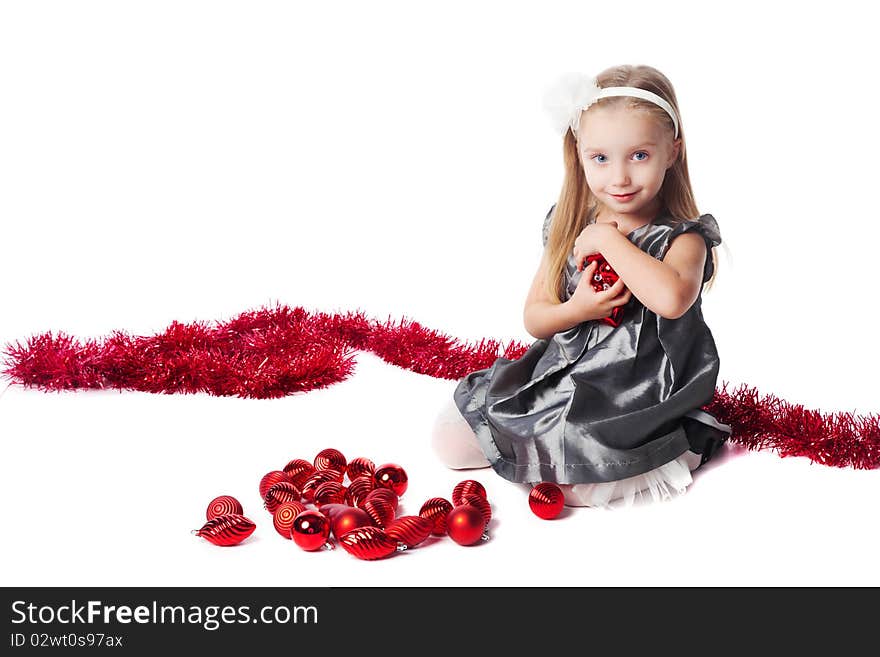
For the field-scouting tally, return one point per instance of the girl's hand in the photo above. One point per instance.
(589, 304)
(591, 240)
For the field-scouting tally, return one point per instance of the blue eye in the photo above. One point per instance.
(642, 153)
(637, 153)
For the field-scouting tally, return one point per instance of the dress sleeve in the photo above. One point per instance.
(545, 231)
(707, 226)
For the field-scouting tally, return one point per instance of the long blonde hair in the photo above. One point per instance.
(576, 203)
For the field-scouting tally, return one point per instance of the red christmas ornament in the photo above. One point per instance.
(410, 530)
(603, 278)
(347, 519)
(269, 480)
(462, 488)
(298, 470)
(480, 503)
(316, 479)
(380, 511)
(279, 493)
(358, 489)
(330, 492)
(436, 510)
(222, 505)
(465, 525)
(391, 476)
(360, 466)
(230, 529)
(385, 494)
(546, 500)
(284, 516)
(370, 543)
(310, 530)
(330, 459)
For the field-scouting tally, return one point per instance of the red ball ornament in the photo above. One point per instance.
(358, 490)
(359, 467)
(316, 479)
(279, 493)
(298, 470)
(222, 505)
(546, 500)
(480, 503)
(465, 524)
(230, 529)
(436, 510)
(465, 487)
(347, 519)
(369, 543)
(284, 516)
(330, 459)
(410, 530)
(604, 277)
(385, 494)
(270, 479)
(310, 530)
(380, 512)
(391, 476)
(330, 492)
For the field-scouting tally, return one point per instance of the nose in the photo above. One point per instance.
(620, 176)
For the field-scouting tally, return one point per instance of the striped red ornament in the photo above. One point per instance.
(316, 479)
(436, 509)
(270, 479)
(370, 543)
(359, 467)
(330, 459)
(222, 505)
(284, 516)
(330, 492)
(358, 490)
(410, 530)
(298, 470)
(384, 494)
(546, 500)
(380, 511)
(279, 493)
(230, 529)
(462, 488)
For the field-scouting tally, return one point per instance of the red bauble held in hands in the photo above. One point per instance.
(603, 278)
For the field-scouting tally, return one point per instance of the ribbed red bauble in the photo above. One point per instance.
(222, 505)
(369, 543)
(230, 529)
(330, 492)
(480, 503)
(330, 459)
(270, 479)
(384, 494)
(465, 524)
(436, 510)
(298, 470)
(310, 530)
(279, 493)
(391, 476)
(359, 467)
(546, 500)
(466, 487)
(410, 530)
(358, 490)
(284, 515)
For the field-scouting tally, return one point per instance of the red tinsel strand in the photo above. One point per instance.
(273, 352)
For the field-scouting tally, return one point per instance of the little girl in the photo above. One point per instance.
(607, 412)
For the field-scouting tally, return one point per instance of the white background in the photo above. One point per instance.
(189, 161)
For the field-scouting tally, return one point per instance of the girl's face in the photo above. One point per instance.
(624, 151)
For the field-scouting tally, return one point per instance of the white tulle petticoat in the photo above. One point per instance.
(456, 445)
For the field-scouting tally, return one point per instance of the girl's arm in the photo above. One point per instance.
(668, 287)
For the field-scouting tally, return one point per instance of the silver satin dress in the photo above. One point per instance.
(598, 403)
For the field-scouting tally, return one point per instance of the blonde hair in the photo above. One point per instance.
(577, 204)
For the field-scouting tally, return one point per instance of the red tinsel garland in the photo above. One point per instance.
(275, 352)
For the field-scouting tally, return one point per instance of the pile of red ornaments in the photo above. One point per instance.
(355, 502)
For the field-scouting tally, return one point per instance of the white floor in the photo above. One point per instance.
(103, 488)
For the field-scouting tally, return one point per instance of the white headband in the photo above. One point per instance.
(575, 92)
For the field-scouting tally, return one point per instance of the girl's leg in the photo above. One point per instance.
(454, 442)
